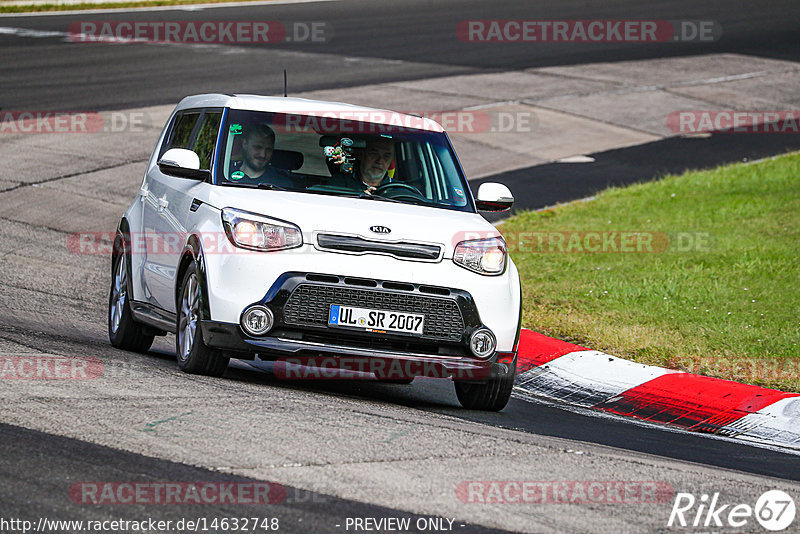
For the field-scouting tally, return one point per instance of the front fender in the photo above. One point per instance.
(122, 245)
(192, 255)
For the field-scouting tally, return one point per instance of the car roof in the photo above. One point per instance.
(304, 106)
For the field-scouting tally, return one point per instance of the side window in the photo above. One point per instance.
(181, 133)
(206, 138)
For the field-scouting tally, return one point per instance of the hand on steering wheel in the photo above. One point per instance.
(410, 188)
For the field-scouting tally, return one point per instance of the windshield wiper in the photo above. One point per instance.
(409, 199)
(271, 187)
(378, 197)
(349, 193)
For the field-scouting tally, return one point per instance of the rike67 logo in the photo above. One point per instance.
(774, 511)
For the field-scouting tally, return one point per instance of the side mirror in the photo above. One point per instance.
(182, 163)
(494, 197)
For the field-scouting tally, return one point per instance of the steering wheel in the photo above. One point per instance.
(417, 194)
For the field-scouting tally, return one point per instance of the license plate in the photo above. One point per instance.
(376, 320)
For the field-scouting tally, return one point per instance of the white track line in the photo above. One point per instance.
(186, 7)
(586, 378)
(778, 422)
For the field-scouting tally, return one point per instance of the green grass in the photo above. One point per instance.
(105, 5)
(727, 306)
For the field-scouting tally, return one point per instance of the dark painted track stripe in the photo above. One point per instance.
(549, 184)
(39, 469)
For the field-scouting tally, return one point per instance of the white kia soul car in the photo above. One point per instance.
(317, 234)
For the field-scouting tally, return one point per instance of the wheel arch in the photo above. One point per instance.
(192, 254)
(122, 245)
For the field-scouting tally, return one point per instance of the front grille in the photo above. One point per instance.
(309, 304)
(359, 245)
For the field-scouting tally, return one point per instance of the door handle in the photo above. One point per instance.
(143, 192)
(162, 204)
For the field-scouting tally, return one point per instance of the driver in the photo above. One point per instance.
(258, 144)
(372, 168)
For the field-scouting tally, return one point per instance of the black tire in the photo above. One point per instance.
(492, 396)
(123, 332)
(193, 355)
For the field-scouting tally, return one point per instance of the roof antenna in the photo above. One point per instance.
(284, 83)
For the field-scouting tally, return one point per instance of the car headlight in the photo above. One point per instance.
(483, 256)
(257, 232)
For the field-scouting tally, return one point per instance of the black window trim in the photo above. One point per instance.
(173, 124)
(195, 130)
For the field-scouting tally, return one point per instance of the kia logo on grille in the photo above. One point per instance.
(380, 229)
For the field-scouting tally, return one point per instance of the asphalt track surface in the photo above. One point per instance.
(549, 184)
(24, 451)
(406, 41)
(372, 42)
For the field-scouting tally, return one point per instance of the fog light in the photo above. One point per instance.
(257, 320)
(482, 343)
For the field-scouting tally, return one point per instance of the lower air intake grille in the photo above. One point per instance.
(309, 305)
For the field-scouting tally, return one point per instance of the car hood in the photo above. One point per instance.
(315, 213)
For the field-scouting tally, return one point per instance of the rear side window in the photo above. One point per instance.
(181, 134)
(195, 130)
(206, 138)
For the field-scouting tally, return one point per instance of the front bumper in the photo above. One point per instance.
(239, 280)
(229, 337)
(300, 303)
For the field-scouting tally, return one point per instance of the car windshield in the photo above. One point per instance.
(334, 156)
